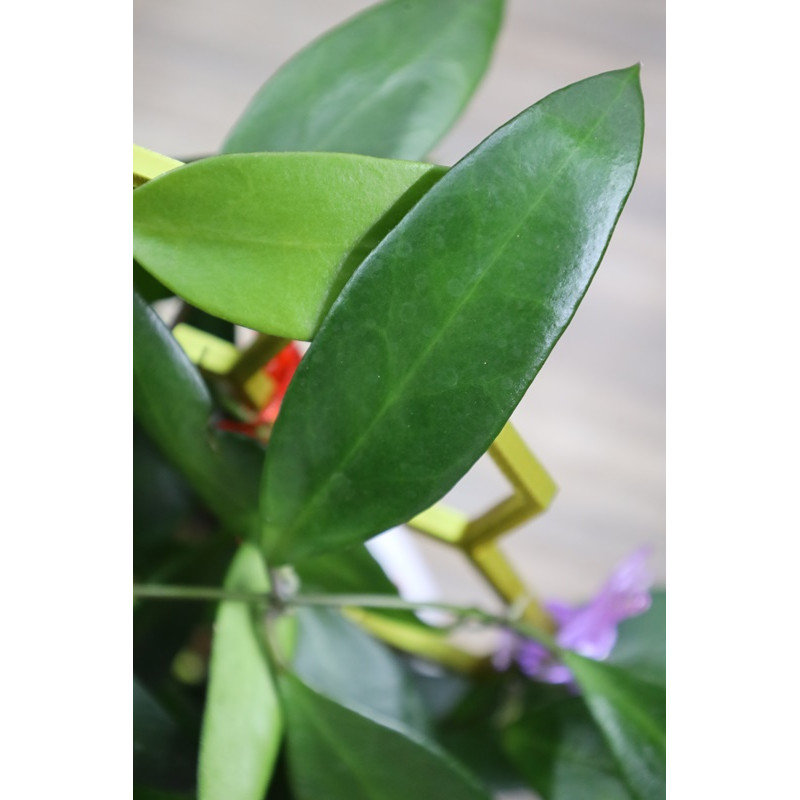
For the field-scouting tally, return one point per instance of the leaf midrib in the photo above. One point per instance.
(324, 488)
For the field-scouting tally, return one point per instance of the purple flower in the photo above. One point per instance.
(590, 630)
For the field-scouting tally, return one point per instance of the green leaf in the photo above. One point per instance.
(561, 752)
(631, 714)
(342, 754)
(641, 643)
(162, 757)
(174, 406)
(330, 651)
(268, 240)
(440, 331)
(472, 732)
(242, 725)
(390, 82)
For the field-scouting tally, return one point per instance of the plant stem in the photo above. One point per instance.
(342, 601)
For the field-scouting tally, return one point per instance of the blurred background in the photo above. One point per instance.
(595, 414)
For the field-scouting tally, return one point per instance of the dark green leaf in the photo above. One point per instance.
(148, 287)
(174, 406)
(641, 643)
(161, 630)
(473, 732)
(331, 652)
(389, 82)
(557, 746)
(631, 714)
(268, 240)
(242, 725)
(162, 757)
(340, 754)
(435, 339)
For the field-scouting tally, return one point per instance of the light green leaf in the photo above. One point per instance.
(268, 240)
(242, 724)
(330, 653)
(174, 406)
(389, 82)
(440, 331)
(631, 714)
(339, 753)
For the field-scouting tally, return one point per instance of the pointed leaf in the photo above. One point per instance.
(631, 714)
(330, 651)
(438, 334)
(242, 725)
(346, 754)
(268, 240)
(174, 406)
(389, 82)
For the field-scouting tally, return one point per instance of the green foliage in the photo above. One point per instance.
(432, 298)
(631, 713)
(347, 754)
(388, 83)
(243, 724)
(441, 330)
(174, 406)
(268, 240)
(330, 651)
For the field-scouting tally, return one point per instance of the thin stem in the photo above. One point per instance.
(165, 592)
(343, 601)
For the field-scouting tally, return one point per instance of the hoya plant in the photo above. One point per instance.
(273, 658)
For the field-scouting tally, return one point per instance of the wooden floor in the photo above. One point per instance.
(595, 415)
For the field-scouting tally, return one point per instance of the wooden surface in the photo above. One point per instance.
(595, 414)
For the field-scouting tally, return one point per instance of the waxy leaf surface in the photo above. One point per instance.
(268, 240)
(342, 753)
(631, 713)
(389, 82)
(440, 331)
(242, 724)
(173, 404)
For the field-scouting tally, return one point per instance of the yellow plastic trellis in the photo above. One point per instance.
(147, 165)
(533, 491)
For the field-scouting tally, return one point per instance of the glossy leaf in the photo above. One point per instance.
(344, 754)
(331, 651)
(631, 714)
(389, 82)
(268, 240)
(641, 643)
(557, 746)
(174, 406)
(440, 331)
(242, 725)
